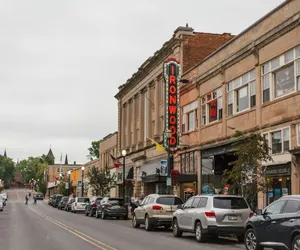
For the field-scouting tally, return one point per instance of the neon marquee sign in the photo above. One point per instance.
(172, 74)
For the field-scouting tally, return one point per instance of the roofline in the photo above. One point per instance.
(240, 34)
(108, 136)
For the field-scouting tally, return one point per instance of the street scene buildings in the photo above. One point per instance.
(228, 83)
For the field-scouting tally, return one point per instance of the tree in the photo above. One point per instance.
(100, 181)
(47, 159)
(94, 150)
(62, 187)
(245, 177)
(7, 170)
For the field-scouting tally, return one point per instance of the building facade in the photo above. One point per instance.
(141, 107)
(252, 81)
(108, 148)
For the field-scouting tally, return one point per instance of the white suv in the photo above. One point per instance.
(79, 204)
(212, 215)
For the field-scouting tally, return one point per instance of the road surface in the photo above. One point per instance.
(43, 227)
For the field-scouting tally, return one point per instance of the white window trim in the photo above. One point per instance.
(235, 90)
(272, 71)
(268, 133)
(207, 109)
(186, 109)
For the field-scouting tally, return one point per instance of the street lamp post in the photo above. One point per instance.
(168, 135)
(82, 173)
(123, 189)
(69, 191)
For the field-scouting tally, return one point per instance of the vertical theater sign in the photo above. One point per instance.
(172, 74)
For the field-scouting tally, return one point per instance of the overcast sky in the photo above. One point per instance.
(61, 62)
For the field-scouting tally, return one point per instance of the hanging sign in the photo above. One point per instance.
(172, 74)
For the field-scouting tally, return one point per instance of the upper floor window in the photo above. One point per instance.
(188, 162)
(211, 107)
(278, 140)
(241, 93)
(281, 75)
(189, 117)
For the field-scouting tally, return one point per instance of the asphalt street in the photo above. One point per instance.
(41, 226)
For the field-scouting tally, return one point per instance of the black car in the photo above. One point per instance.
(63, 202)
(57, 200)
(277, 226)
(91, 207)
(69, 203)
(112, 207)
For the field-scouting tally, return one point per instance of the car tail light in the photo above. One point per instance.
(75, 204)
(107, 204)
(94, 205)
(155, 207)
(126, 204)
(251, 214)
(210, 214)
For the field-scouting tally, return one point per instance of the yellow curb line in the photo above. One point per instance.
(79, 234)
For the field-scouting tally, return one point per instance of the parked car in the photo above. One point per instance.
(276, 226)
(39, 196)
(69, 204)
(212, 215)
(90, 208)
(79, 204)
(63, 202)
(50, 200)
(57, 200)
(2, 200)
(156, 210)
(112, 207)
(53, 200)
(5, 196)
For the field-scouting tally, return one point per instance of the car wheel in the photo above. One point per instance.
(103, 215)
(198, 232)
(134, 222)
(86, 213)
(91, 214)
(74, 212)
(240, 238)
(176, 231)
(97, 214)
(251, 241)
(148, 226)
(296, 243)
(125, 217)
(167, 226)
(117, 218)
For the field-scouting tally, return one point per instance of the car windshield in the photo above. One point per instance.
(116, 201)
(169, 201)
(230, 203)
(85, 200)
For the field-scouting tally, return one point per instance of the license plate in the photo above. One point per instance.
(117, 206)
(232, 218)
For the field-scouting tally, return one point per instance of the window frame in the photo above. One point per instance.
(270, 72)
(205, 103)
(185, 111)
(269, 139)
(233, 88)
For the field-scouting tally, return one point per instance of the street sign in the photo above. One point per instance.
(67, 185)
(163, 168)
(79, 183)
(169, 181)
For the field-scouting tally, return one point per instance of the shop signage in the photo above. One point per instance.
(67, 185)
(172, 74)
(169, 181)
(278, 170)
(163, 168)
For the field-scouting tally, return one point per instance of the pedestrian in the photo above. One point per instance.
(133, 203)
(26, 200)
(34, 198)
(29, 194)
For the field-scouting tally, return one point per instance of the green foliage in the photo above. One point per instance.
(100, 181)
(7, 170)
(47, 160)
(245, 178)
(94, 150)
(32, 168)
(42, 186)
(62, 187)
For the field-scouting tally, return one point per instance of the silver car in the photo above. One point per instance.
(212, 215)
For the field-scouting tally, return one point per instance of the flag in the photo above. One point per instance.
(157, 145)
(116, 162)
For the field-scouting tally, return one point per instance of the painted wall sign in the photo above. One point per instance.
(172, 74)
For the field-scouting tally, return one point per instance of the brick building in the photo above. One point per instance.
(253, 80)
(141, 106)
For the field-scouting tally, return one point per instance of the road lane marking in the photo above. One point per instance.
(97, 243)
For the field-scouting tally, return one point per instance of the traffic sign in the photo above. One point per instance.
(169, 181)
